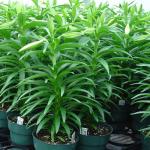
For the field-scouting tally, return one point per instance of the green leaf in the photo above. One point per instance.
(57, 123)
(72, 34)
(51, 25)
(32, 45)
(75, 118)
(63, 114)
(46, 110)
(8, 81)
(7, 25)
(105, 65)
(67, 129)
(32, 107)
(35, 2)
(89, 31)
(42, 124)
(40, 118)
(51, 99)
(127, 29)
(62, 90)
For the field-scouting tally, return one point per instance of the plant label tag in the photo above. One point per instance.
(122, 102)
(20, 120)
(84, 131)
(73, 137)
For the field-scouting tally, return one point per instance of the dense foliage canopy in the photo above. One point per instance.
(62, 65)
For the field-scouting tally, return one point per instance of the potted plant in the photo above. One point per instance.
(95, 132)
(141, 100)
(61, 89)
(65, 79)
(15, 74)
(58, 90)
(94, 135)
(5, 33)
(144, 133)
(58, 95)
(5, 93)
(19, 132)
(138, 121)
(145, 139)
(14, 70)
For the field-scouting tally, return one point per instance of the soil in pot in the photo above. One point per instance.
(19, 134)
(42, 142)
(96, 139)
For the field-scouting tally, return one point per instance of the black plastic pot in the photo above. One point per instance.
(90, 142)
(124, 141)
(20, 134)
(41, 145)
(120, 113)
(120, 117)
(3, 119)
(145, 142)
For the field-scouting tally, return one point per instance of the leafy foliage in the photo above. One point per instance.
(61, 65)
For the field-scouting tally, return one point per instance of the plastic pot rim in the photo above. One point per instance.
(109, 126)
(34, 136)
(10, 121)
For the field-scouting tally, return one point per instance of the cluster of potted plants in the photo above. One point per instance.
(141, 100)
(62, 68)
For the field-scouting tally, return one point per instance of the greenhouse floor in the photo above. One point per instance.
(118, 141)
